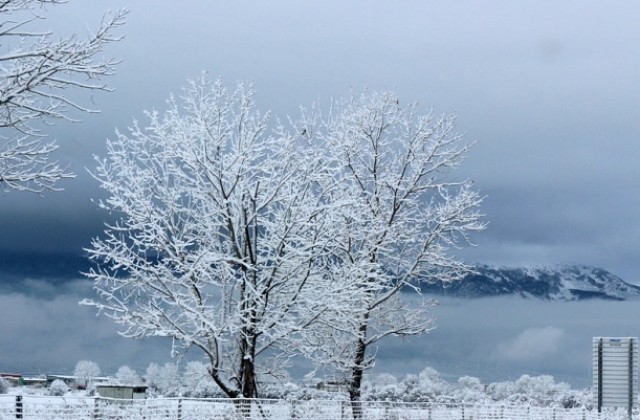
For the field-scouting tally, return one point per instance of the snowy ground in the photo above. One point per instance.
(71, 408)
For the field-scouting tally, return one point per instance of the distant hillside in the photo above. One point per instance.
(562, 283)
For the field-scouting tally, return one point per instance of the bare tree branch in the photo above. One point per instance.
(35, 75)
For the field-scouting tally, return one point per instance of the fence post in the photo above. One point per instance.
(179, 408)
(18, 406)
(96, 413)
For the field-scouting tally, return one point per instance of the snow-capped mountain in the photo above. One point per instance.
(566, 282)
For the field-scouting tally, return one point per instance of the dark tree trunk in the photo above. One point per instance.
(249, 389)
(355, 386)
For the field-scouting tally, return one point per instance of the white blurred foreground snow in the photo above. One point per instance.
(71, 408)
(418, 396)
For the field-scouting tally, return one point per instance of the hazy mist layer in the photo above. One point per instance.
(44, 330)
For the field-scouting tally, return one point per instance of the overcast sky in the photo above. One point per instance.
(548, 90)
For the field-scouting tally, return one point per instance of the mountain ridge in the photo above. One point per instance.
(555, 283)
(552, 282)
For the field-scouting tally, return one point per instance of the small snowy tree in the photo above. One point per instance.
(222, 241)
(152, 378)
(427, 386)
(4, 386)
(163, 380)
(540, 390)
(58, 388)
(197, 382)
(85, 371)
(36, 73)
(470, 390)
(407, 212)
(127, 376)
(384, 387)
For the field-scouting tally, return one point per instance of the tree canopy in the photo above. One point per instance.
(253, 240)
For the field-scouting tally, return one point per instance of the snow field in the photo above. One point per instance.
(77, 408)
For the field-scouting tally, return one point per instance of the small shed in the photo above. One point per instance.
(13, 378)
(122, 392)
(67, 379)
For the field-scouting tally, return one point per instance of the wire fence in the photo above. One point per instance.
(81, 408)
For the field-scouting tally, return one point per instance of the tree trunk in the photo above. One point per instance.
(355, 386)
(249, 389)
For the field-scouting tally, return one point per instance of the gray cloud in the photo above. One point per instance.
(44, 330)
(551, 104)
(503, 338)
(532, 343)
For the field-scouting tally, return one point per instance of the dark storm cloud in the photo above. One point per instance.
(551, 102)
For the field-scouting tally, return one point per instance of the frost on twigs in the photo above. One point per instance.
(256, 245)
(224, 233)
(407, 211)
(36, 71)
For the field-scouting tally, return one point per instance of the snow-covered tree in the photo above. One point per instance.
(407, 212)
(470, 390)
(383, 387)
(427, 386)
(540, 390)
(4, 385)
(58, 388)
(222, 242)
(85, 371)
(197, 382)
(127, 376)
(36, 73)
(163, 380)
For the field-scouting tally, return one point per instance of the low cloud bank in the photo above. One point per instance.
(503, 338)
(533, 343)
(43, 329)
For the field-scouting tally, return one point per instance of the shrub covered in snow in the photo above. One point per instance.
(428, 386)
(85, 372)
(384, 387)
(58, 388)
(127, 376)
(296, 392)
(198, 383)
(163, 380)
(535, 390)
(4, 385)
(470, 390)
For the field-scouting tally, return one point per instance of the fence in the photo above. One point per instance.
(81, 408)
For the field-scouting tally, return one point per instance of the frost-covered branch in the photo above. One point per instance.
(249, 242)
(36, 74)
(407, 212)
(221, 242)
